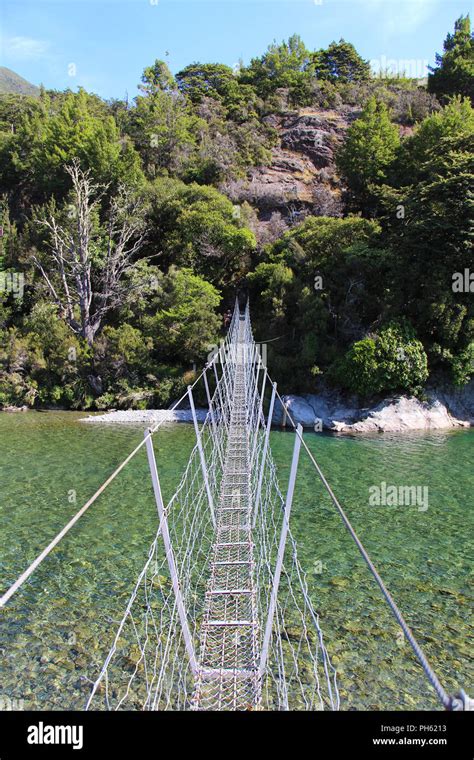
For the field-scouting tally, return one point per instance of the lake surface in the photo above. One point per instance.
(57, 630)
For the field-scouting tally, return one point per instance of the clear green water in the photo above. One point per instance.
(58, 628)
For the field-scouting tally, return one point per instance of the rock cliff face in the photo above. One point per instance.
(302, 177)
(314, 134)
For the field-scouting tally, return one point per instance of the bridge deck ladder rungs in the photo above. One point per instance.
(227, 673)
(229, 623)
(217, 681)
(230, 591)
(233, 543)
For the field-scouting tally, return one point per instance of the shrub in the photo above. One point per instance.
(393, 360)
(14, 391)
(326, 94)
(462, 366)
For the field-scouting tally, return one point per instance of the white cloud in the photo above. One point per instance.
(25, 48)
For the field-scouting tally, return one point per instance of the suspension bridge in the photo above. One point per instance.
(220, 617)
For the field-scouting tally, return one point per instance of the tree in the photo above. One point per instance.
(13, 108)
(57, 362)
(198, 227)
(15, 388)
(321, 287)
(455, 120)
(186, 323)
(284, 65)
(87, 269)
(340, 62)
(454, 70)
(163, 125)
(211, 80)
(201, 81)
(272, 282)
(157, 78)
(49, 139)
(367, 153)
(431, 241)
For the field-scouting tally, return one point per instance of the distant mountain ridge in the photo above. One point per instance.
(10, 82)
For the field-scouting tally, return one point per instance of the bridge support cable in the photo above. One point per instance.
(62, 533)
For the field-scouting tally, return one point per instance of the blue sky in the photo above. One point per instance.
(104, 45)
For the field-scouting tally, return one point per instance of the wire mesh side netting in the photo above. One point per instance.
(225, 524)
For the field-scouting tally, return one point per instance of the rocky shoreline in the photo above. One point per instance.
(327, 410)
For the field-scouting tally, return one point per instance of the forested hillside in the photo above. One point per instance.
(14, 84)
(339, 201)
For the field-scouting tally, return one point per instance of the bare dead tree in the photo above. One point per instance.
(86, 276)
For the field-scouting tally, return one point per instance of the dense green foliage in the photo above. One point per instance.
(54, 131)
(197, 227)
(122, 245)
(369, 150)
(319, 289)
(282, 66)
(392, 360)
(454, 71)
(431, 239)
(340, 63)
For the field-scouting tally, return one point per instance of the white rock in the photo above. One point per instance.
(393, 415)
(403, 414)
(299, 410)
(147, 416)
